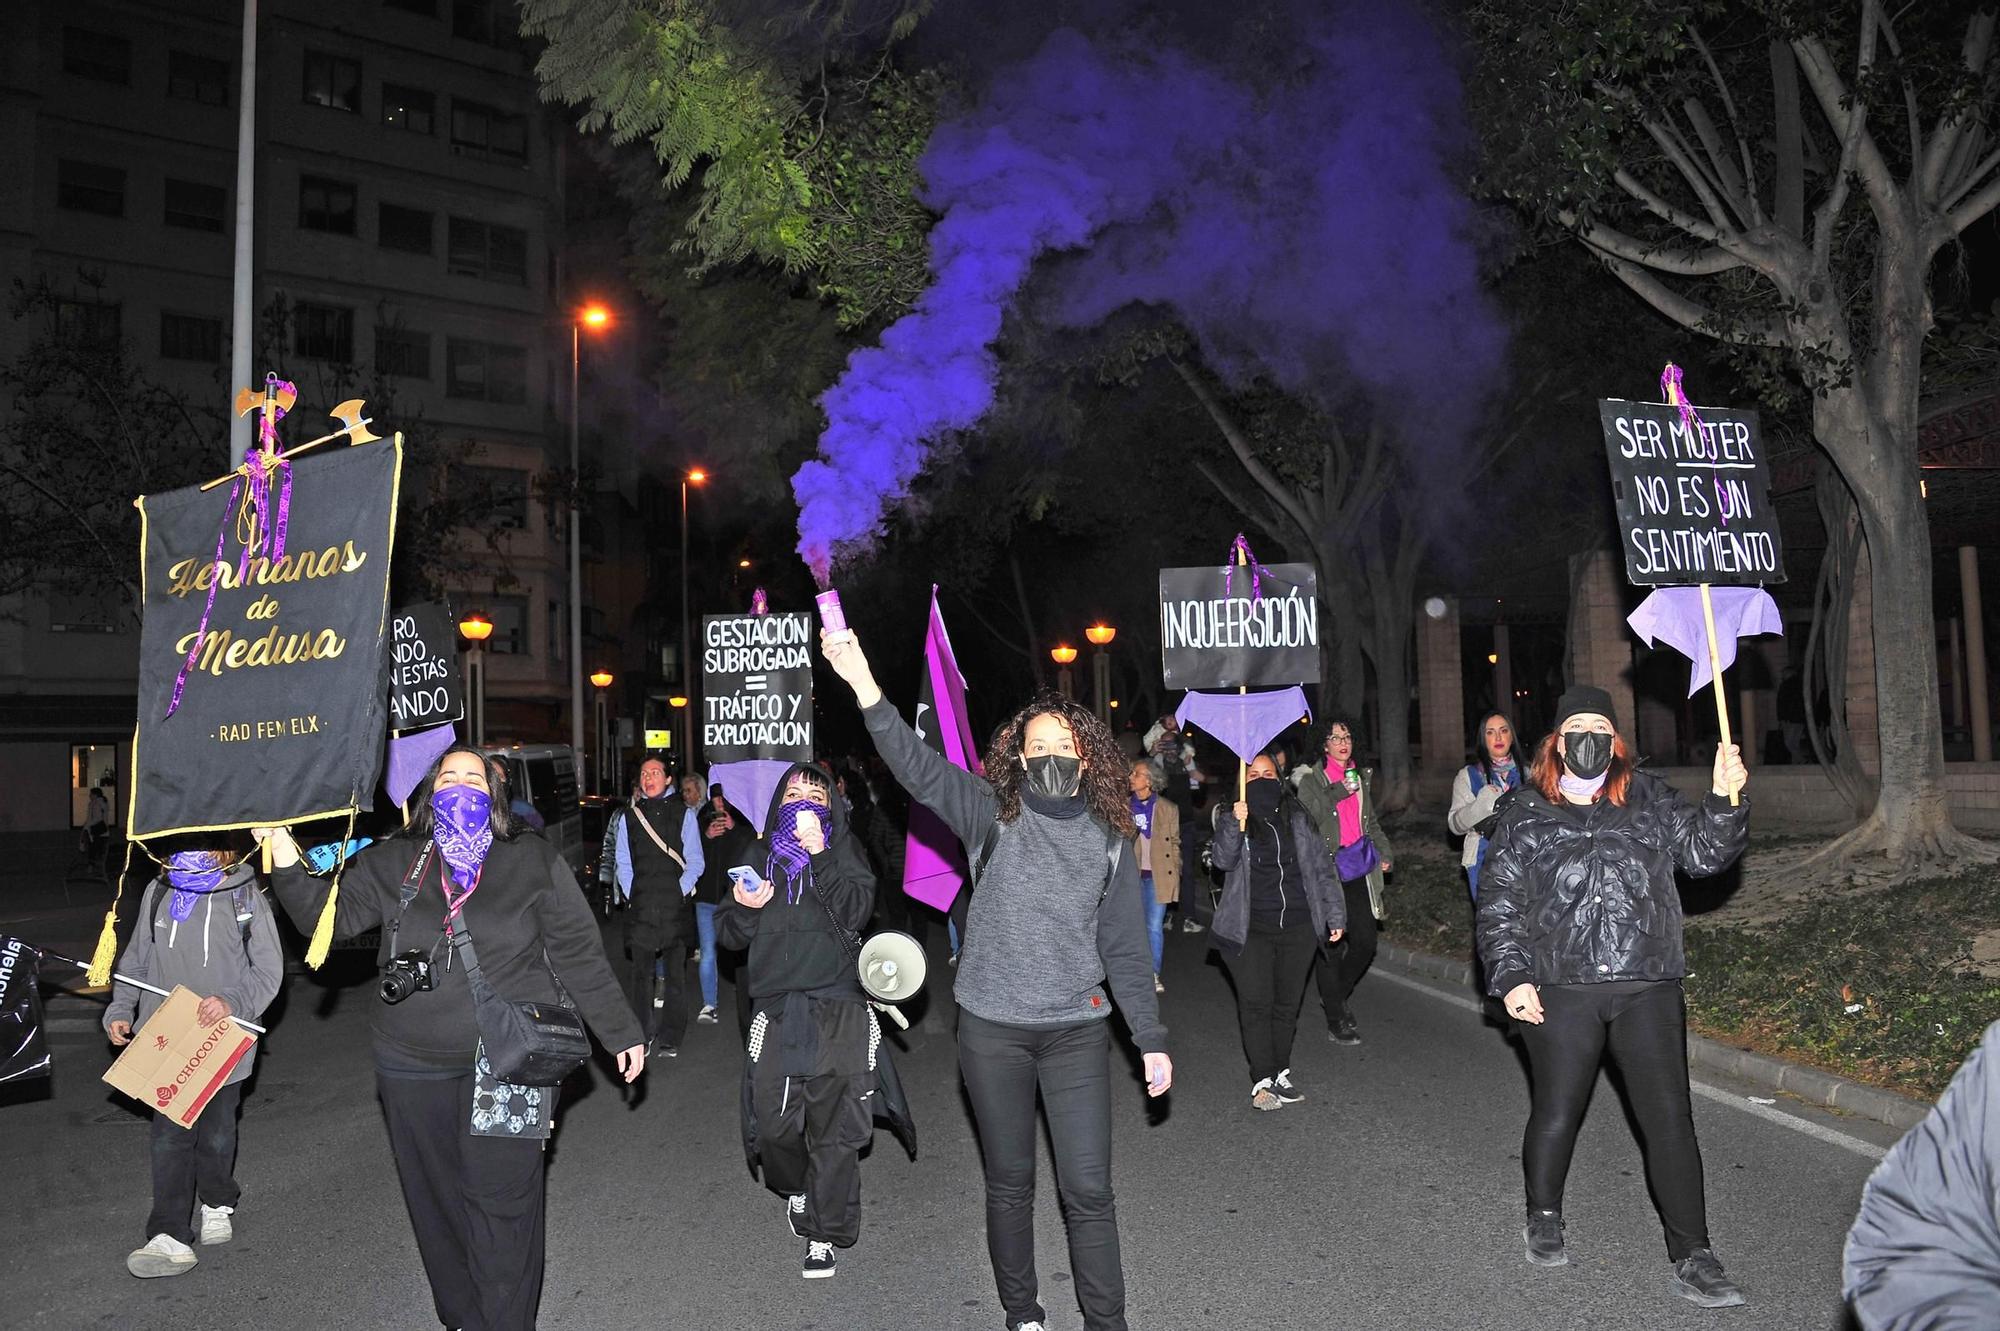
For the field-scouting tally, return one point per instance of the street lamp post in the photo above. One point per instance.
(679, 703)
(600, 735)
(1064, 655)
(476, 628)
(694, 476)
(1100, 636)
(594, 316)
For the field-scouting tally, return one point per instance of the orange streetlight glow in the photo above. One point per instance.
(677, 701)
(601, 678)
(476, 627)
(1100, 634)
(1064, 654)
(593, 316)
(697, 476)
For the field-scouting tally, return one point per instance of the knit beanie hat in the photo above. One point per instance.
(1579, 698)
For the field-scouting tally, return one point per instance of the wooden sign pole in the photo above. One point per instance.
(1715, 672)
(1242, 764)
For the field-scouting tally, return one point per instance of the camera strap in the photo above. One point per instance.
(413, 882)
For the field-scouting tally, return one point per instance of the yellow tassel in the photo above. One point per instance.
(99, 971)
(322, 939)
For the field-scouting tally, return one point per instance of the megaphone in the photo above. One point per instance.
(892, 969)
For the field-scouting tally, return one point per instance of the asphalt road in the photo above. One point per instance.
(1389, 1199)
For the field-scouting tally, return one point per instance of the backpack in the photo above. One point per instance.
(1114, 849)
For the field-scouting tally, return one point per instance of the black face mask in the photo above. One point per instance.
(1054, 776)
(1586, 753)
(1263, 795)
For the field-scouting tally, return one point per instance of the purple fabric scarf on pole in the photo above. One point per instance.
(1246, 722)
(1672, 615)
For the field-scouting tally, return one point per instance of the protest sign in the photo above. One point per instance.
(276, 658)
(756, 687)
(24, 1049)
(174, 1064)
(425, 684)
(1693, 503)
(1224, 626)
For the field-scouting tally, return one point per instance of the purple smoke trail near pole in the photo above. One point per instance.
(1309, 232)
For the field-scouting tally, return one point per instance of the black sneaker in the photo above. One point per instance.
(1286, 1089)
(1343, 1030)
(1698, 1278)
(1544, 1236)
(819, 1260)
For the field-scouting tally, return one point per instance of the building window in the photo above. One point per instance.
(326, 205)
(86, 187)
(323, 332)
(196, 78)
(190, 337)
(411, 110)
(407, 229)
(332, 81)
(485, 371)
(489, 22)
(196, 206)
(487, 132)
(483, 249)
(402, 352)
(97, 55)
(510, 626)
(502, 492)
(88, 321)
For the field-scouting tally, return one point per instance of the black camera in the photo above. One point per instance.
(405, 974)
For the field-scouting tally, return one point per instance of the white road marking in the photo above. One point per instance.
(1734, 1099)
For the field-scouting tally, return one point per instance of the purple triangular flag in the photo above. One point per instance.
(1672, 615)
(411, 755)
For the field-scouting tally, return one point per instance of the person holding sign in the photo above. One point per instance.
(473, 1186)
(1280, 903)
(202, 924)
(1580, 935)
(1055, 911)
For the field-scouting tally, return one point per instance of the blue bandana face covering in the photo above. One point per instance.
(462, 825)
(193, 874)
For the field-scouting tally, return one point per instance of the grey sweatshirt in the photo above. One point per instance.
(1039, 944)
(206, 952)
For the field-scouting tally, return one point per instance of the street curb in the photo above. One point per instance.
(1775, 1074)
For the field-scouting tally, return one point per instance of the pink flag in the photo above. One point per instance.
(934, 866)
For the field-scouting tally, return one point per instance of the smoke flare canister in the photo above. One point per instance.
(830, 613)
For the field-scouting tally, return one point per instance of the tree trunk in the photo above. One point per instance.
(1026, 608)
(1395, 782)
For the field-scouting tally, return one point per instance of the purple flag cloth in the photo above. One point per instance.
(934, 866)
(1244, 722)
(411, 755)
(750, 784)
(1672, 615)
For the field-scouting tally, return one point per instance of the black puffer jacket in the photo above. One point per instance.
(1576, 894)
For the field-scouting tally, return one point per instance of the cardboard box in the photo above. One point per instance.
(174, 1064)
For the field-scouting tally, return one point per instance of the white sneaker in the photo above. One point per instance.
(215, 1226)
(1032, 1326)
(707, 1015)
(1159, 987)
(795, 1211)
(163, 1255)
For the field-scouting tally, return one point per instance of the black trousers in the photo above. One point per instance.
(1642, 1024)
(1003, 1067)
(476, 1204)
(810, 1131)
(194, 1163)
(1348, 960)
(668, 1022)
(1270, 977)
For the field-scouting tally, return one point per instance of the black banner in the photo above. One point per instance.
(756, 688)
(1691, 509)
(426, 687)
(1253, 630)
(283, 713)
(24, 1050)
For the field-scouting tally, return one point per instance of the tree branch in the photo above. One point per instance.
(1957, 187)
(1727, 177)
(1250, 513)
(988, 625)
(1910, 110)
(1279, 493)
(1684, 263)
(1692, 314)
(1859, 154)
(1735, 128)
(1977, 48)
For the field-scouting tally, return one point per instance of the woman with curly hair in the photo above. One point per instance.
(1055, 910)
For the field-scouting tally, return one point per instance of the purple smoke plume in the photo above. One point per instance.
(1308, 231)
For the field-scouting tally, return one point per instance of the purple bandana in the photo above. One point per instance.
(193, 873)
(786, 851)
(1581, 786)
(462, 826)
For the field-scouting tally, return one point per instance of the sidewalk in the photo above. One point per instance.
(1777, 1075)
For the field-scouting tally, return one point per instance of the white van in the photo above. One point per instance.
(544, 777)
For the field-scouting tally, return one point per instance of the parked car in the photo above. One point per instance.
(596, 878)
(542, 780)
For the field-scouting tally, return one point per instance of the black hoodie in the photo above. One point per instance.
(793, 945)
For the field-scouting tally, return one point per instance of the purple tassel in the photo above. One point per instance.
(214, 580)
(1674, 389)
(1240, 546)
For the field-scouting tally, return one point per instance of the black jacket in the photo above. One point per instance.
(527, 904)
(1327, 903)
(721, 851)
(794, 946)
(1576, 894)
